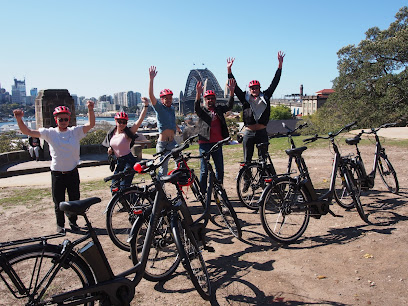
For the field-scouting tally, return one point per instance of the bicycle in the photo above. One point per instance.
(163, 262)
(287, 203)
(251, 177)
(380, 163)
(47, 274)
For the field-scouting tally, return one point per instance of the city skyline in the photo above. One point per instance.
(94, 50)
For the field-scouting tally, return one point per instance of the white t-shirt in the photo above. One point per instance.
(64, 146)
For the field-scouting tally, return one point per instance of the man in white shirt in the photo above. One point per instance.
(64, 150)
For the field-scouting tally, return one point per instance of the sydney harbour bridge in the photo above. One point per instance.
(207, 78)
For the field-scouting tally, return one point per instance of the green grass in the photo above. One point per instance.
(29, 197)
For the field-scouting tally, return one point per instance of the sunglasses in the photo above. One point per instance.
(210, 98)
(121, 121)
(63, 119)
(255, 87)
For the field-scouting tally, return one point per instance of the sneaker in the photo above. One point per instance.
(75, 228)
(60, 229)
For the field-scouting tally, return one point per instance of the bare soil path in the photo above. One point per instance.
(339, 261)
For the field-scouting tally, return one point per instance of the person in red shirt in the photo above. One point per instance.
(212, 128)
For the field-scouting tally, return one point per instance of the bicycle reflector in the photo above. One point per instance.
(268, 180)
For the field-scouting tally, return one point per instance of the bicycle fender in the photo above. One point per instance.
(115, 196)
(271, 184)
(138, 223)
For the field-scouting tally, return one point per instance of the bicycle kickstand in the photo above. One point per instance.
(334, 215)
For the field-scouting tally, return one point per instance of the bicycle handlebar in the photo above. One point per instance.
(375, 130)
(330, 135)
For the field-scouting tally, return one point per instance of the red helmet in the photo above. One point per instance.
(186, 177)
(61, 110)
(165, 92)
(122, 115)
(254, 83)
(209, 93)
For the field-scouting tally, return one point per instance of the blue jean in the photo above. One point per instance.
(160, 147)
(218, 159)
(124, 163)
(250, 139)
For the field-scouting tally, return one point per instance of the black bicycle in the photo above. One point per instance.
(287, 203)
(163, 258)
(251, 177)
(380, 163)
(37, 272)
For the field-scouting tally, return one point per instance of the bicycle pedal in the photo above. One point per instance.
(209, 249)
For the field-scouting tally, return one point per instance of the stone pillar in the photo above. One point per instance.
(45, 103)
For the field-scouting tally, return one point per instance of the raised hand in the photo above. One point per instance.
(18, 113)
(231, 85)
(90, 104)
(145, 101)
(230, 61)
(281, 55)
(199, 88)
(152, 72)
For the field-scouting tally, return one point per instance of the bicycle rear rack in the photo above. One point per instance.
(10, 244)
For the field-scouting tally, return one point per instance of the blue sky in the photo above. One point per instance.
(98, 47)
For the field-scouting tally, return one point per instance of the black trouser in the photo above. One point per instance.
(250, 139)
(62, 181)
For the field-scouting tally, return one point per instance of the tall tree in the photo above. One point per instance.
(372, 86)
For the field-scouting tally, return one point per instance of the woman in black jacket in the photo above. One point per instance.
(212, 128)
(256, 109)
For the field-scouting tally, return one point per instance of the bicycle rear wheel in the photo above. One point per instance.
(34, 265)
(163, 257)
(227, 212)
(250, 185)
(191, 258)
(341, 195)
(388, 174)
(120, 215)
(284, 212)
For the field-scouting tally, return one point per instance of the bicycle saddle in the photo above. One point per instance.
(295, 151)
(79, 206)
(353, 141)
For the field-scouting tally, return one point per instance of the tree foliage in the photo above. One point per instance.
(10, 141)
(280, 112)
(372, 86)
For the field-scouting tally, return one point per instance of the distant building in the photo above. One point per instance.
(4, 96)
(18, 92)
(310, 104)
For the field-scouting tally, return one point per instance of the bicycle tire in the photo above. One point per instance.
(388, 174)
(284, 214)
(120, 216)
(352, 189)
(163, 257)
(191, 258)
(250, 185)
(227, 212)
(34, 263)
(341, 194)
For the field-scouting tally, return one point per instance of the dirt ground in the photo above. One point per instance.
(338, 261)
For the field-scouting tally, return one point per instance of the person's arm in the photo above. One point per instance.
(91, 117)
(139, 121)
(231, 85)
(197, 104)
(19, 114)
(240, 94)
(276, 79)
(152, 75)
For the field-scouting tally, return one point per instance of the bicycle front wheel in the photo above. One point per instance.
(354, 194)
(227, 212)
(35, 265)
(191, 258)
(250, 185)
(341, 195)
(120, 215)
(163, 257)
(284, 212)
(388, 174)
